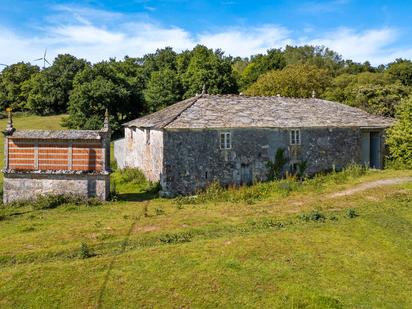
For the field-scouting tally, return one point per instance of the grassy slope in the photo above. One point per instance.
(159, 253)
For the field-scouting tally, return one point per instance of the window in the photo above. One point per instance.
(225, 140)
(295, 137)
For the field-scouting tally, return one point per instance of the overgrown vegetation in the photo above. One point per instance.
(50, 201)
(400, 136)
(276, 188)
(275, 168)
(127, 180)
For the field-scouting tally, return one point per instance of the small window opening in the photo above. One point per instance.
(225, 140)
(295, 137)
(206, 175)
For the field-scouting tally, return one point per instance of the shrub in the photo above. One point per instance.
(176, 238)
(84, 251)
(131, 175)
(159, 211)
(400, 135)
(275, 168)
(313, 216)
(351, 213)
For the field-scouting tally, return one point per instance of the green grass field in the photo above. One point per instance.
(295, 247)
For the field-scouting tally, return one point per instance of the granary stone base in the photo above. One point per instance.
(25, 185)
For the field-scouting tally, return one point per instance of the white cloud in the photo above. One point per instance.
(89, 34)
(373, 45)
(246, 42)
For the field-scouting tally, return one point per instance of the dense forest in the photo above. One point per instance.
(133, 87)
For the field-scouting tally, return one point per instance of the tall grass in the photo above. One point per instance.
(260, 191)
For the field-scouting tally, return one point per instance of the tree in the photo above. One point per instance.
(320, 56)
(163, 89)
(48, 91)
(12, 79)
(259, 64)
(298, 80)
(114, 85)
(376, 93)
(401, 70)
(209, 68)
(400, 135)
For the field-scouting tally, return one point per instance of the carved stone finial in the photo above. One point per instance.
(9, 129)
(106, 123)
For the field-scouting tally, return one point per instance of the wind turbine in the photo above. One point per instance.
(44, 59)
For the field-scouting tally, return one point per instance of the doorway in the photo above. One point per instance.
(246, 174)
(371, 149)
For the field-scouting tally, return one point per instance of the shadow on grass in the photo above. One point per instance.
(138, 197)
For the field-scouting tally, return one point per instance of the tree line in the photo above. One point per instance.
(133, 87)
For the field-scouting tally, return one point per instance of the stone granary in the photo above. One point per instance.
(56, 162)
(231, 138)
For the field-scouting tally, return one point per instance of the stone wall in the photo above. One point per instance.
(143, 149)
(26, 186)
(193, 158)
(120, 152)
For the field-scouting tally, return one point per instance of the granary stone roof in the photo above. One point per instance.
(238, 111)
(56, 134)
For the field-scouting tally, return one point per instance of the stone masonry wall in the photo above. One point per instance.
(120, 152)
(143, 148)
(193, 158)
(26, 186)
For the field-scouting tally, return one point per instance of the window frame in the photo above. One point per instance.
(295, 137)
(225, 140)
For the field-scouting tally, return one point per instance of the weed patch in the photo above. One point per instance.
(351, 213)
(84, 251)
(176, 238)
(315, 215)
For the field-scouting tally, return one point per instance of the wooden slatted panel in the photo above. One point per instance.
(53, 156)
(87, 157)
(21, 155)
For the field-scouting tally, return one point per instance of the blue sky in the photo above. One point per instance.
(378, 31)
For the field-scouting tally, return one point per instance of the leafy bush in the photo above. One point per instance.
(176, 238)
(84, 251)
(315, 215)
(351, 213)
(275, 168)
(131, 175)
(400, 136)
(159, 211)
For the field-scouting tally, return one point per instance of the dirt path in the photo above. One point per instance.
(372, 184)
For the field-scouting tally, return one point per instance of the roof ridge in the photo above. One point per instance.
(181, 112)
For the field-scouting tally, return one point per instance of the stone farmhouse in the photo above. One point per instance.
(56, 162)
(231, 138)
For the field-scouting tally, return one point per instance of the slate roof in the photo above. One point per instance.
(56, 134)
(238, 111)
